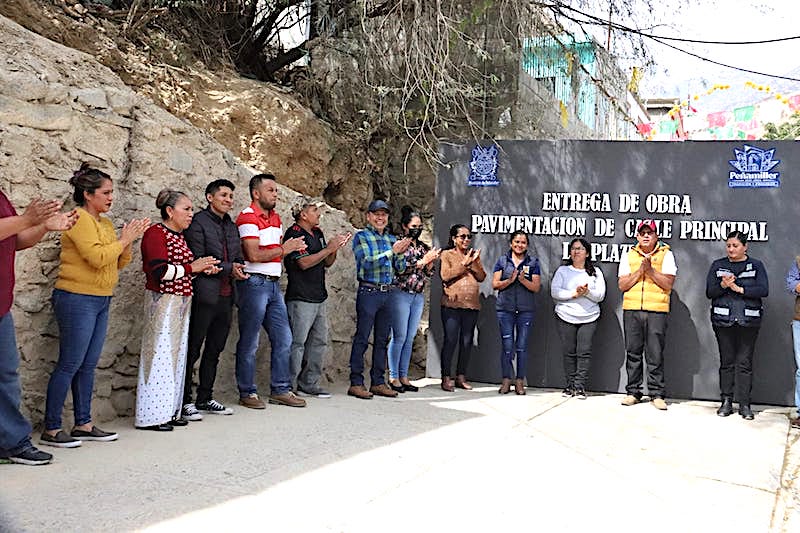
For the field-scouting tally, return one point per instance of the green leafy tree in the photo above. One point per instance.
(789, 130)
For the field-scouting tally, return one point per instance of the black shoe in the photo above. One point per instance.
(31, 456)
(59, 440)
(580, 393)
(567, 392)
(746, 412)
(397, 388)
(410, 388)
(726, 409)
(178, 422)
(96, 434)
(158, 427)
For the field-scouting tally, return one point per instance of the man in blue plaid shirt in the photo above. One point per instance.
(379, 256)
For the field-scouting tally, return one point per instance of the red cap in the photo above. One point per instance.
(647, 223)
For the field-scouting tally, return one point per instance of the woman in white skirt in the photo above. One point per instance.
(168, 264)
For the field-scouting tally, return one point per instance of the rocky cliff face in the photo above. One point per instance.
(60, 107)
(259, 123)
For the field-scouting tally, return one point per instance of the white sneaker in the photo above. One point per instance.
(190, 412)
(214, 407)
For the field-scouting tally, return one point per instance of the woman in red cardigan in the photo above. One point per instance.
(168, 264)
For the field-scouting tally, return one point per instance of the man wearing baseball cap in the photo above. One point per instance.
(646, 274)
(306, 295)
(379, 256)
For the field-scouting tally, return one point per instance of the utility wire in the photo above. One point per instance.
(660, 39)
(724, 64)
(595, 20)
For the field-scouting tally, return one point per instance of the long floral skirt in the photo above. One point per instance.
(163, 359)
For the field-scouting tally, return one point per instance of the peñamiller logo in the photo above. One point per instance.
(483, 167)
(753, 167)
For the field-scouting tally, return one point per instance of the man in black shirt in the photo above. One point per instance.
(306, 295)
(214, 233)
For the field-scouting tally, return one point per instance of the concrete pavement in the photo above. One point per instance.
(426, 461)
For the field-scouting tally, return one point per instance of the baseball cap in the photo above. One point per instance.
(302, 202)
(377, 205)
(647, 223)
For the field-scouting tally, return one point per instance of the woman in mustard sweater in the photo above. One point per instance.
(91, 256)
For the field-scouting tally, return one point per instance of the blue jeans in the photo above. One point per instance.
(373, 310)
(406, 314)
(82, 321)
(261, 305)
(796, 336)
(514, 329)
(15, 430)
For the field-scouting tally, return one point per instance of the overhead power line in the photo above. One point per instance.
(595, 20)
(725, 64)
(559, 8)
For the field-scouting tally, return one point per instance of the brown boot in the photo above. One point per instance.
(360, 392)
(505, 387)
(461, 382)
(447, 384)
(519, 387)
(383, 390)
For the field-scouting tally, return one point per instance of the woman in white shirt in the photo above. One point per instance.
(578, 287)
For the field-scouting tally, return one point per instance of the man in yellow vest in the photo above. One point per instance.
(646, 275)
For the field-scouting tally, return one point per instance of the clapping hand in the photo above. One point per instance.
(207, 265)
(471, 255)
(237, 271)
(728, 281)
(61, 221)
(401, 245)
(581, 290)
(430, 256)
(338, 241)
(294, 244)
(343, 239)
(39, 211)
(133, 230)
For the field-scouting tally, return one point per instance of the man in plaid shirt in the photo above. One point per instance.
(379, 256)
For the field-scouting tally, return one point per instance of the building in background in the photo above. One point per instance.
(585, 84)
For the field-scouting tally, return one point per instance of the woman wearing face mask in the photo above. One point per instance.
(461, 272)
(408, 299)
(736, 283)
(168, 264)
(517, 279)
(577, 289)
(91, 258)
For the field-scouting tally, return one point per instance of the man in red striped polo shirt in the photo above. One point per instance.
(260, 300)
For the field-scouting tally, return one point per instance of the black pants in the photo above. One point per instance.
(209, 323)
(459, 327)
(645, 333)
(576, 342)
(736, 346)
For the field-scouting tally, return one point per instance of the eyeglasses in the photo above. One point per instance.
(464, 237)
(581, 249)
